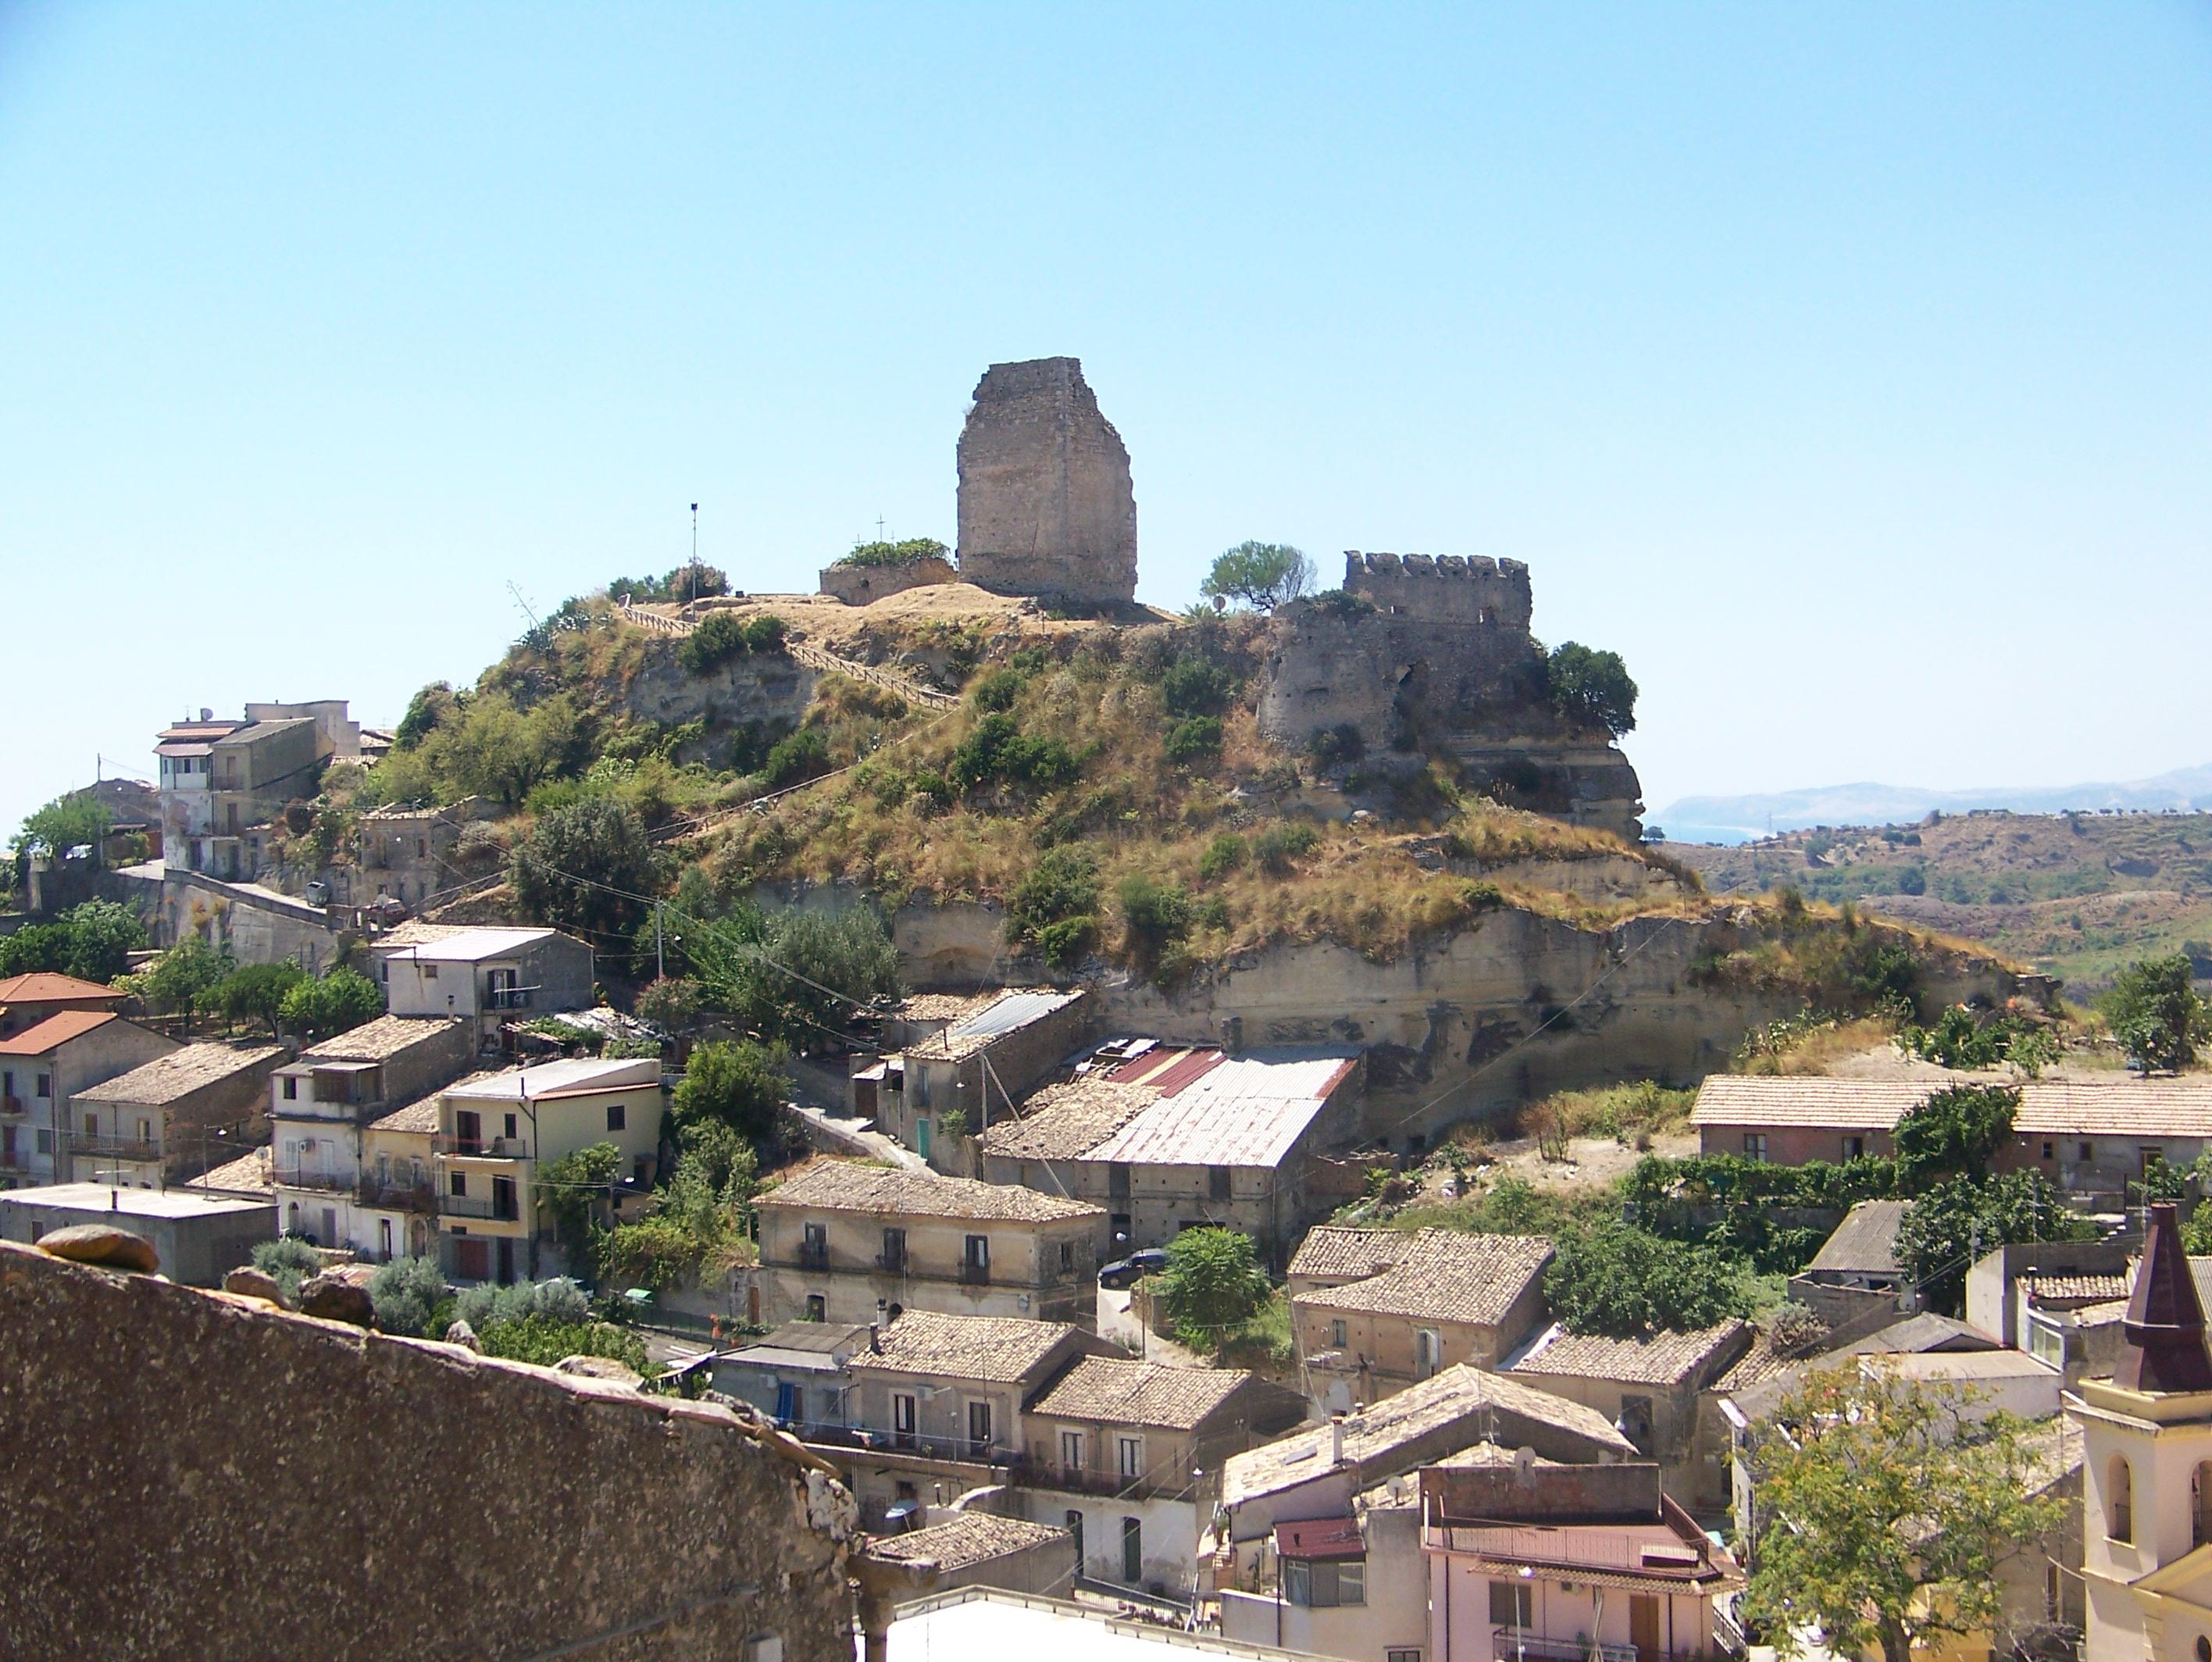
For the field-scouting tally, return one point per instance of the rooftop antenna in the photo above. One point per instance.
(879, 528)
(520, 602)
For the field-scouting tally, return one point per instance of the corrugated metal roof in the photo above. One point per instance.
(1247, 1110)
(1321, 1538)
(1015, 1009)
(469, 946)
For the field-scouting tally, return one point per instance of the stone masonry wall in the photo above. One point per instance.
(197, 1475)
(1046, 507)
(859, 586)
(1444, 664)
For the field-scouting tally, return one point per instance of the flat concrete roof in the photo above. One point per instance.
(128, 1203)
(982, 1621)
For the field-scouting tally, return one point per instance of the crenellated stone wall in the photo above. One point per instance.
(1440, 660)
(1046, 507)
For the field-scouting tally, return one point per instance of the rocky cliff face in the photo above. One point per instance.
(1046, 507)
(1507, 1010)
(738, 703)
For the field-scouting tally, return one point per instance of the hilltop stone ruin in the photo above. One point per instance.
(1046, 508)
(1434, 655)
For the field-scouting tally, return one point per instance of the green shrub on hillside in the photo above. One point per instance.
(910, 552)
(1225, 854)
(1277, 846)
(1592, 687)
(997, 752)
(1194, 740)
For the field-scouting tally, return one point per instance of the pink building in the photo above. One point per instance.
(1566, 1563)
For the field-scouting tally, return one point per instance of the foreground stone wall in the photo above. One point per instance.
(195, 1474)
(1046, 507)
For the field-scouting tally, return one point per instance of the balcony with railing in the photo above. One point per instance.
(14, 1104)
(497, 1209)
(962, 1451)
(973, 1274)
(398, 1197)
(1523, 1645)
(479, 1148)
(115, 1148)
(814, 1255)
(320, 1178)
(507, 997)
(1169, 1485)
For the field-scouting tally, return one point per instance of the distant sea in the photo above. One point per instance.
(1732, 819)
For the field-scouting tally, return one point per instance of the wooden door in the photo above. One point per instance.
(1644, 1626)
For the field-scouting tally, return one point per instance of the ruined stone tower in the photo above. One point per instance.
(1045, 504)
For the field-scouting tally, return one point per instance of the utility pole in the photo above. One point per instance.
(694, 553)
(659, 964)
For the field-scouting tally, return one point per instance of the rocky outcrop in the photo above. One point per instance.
(200, 1475)
(1046, 507)
(739, 703)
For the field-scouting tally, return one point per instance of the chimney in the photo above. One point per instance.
(1232, 1034)
(876, 1327)
(1335, 1440)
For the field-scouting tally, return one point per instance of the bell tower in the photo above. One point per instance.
(2146, 1469)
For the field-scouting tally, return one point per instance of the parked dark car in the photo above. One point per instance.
(1128, 1272)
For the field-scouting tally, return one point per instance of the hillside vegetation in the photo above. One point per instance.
(1104, 785)
(2077, 895)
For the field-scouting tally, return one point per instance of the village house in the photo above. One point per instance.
(1856, 1268)
(934, 1407)
(495, 1133)
(42, 1068)
(491, 976)
(1128, 1455)
(1354, 1586)
(1439, 1297)
(167, 1120)
(321, 1106)
(395, 1206)
(28, 1000)
(406, 854)
(1570, 1560)
(965, 1549)
(796, 1375)
(954, 1080)
(1649, 1386)
(199, 1237)
(1168, 1139)
(2091, 1139)
(843, 1241)
(223, 782)
(1319, 1472)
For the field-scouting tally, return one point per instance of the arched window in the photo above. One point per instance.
(2119, 1500)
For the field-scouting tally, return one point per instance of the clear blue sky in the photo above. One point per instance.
(1847, 368)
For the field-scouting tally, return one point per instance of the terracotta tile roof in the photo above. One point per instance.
(1116, 1391)
(421, 1115)
(2091, 1287)
(849, 1186)
(2121, 1106)
(166, 1078)
(377, 1041)
(1382, 1439)
(1657, 1359)
(1332, 1253)
(249, 1174)
(1321, 1538)
(1067, 1121)
(1756, 1366)
(43, 986)
(993, 1350)
(1446, 1275)
(2125, 1108)
(964, 1540)
(1760, 1100)
(56, 1031)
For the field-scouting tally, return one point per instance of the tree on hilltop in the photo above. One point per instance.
(1263, 575)
(2157, 1014)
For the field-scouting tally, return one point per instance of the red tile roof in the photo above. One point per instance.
(56, 1031)
(44, 987)
(1321, 1538)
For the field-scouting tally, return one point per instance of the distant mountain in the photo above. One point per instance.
(1741, 819)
